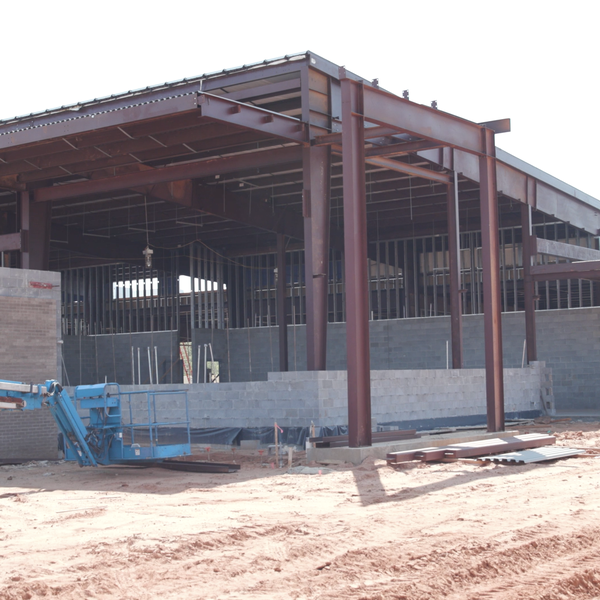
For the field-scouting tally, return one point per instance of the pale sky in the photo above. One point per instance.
(533, 61)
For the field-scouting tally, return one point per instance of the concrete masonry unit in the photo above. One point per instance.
(297, 399)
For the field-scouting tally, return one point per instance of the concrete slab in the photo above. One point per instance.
(381, 449)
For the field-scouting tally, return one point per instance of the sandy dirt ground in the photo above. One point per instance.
(423, 531)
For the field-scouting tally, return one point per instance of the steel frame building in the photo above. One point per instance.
(302, 194)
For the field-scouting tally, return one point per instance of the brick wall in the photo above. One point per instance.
(30, 326)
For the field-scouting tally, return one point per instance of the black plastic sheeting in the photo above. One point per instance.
(296, 436)
(232, 436)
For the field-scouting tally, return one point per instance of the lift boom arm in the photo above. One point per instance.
(31, 397)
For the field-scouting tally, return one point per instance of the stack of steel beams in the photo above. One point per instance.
(473, 449)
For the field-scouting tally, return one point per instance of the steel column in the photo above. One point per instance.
(492, 308)
(530, 334)
(355, 242)
(35, 234)
(24, 207)
(316, 166)
(281, 297)
(454, 264)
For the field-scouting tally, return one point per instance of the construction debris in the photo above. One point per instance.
(473, 449)
(531, 456)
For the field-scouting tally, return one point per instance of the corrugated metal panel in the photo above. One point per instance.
(531, 456)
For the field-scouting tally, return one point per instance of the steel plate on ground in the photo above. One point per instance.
(531, 456)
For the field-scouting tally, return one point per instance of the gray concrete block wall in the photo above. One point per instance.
(96, 358)
(568, 342)
(295, 399)
(30, 326)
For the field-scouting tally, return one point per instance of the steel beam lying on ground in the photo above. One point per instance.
(198, 467)
(470, 449)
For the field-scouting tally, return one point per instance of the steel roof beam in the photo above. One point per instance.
(100, 116)
(252, 117)
(401, 148)
(370, 133)
(193, 170)
(402, 167)
(388, 110)
(524, 183)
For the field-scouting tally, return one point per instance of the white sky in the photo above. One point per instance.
(533, 61)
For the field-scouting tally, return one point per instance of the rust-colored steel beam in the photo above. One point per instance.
(388, 110)
(402, 167)
(112, 113)
(528, 284)
(587, 269)
(454, 260)
(35, 233)
(492, 307)
(265, 92)
(317, 165)
(370, 133)
(281, 297)
(399, 149)
(252, 117)
(204, 168)
(470, 449)
(355, 235)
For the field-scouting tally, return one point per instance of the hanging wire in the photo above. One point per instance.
(147, 225)
(410, 196)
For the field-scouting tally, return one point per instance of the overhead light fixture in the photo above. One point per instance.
(148, 252)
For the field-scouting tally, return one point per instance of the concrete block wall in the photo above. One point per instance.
(568, 342)
(30, 326)
(96, 358)
(294, 399)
